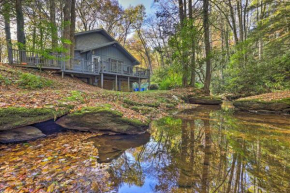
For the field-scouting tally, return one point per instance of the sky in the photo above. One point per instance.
(147, 3)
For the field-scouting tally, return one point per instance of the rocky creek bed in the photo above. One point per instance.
(131, 116)
(19, 124)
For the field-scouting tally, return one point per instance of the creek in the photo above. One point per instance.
(204, 149)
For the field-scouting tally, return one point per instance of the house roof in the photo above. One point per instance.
(113, 42)
(100, 30)
(118, 46)
(99, 46)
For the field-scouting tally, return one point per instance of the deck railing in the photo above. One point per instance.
(123, 69)
(57, 61)
(34, 59)
(83, 66)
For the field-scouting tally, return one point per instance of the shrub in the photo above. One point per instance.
(154, 87)
(4, 80)
(30, 81)
(167, 78)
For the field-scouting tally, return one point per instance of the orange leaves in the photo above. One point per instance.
(53, 164)
(270, 96)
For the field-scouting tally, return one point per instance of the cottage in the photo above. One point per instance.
(117, 67)
(98, 59)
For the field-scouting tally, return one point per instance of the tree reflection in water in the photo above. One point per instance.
(208, 151)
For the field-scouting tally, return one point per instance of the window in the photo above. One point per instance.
(115, 65)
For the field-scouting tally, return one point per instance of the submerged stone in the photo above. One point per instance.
(95, 119)
(111, 147)
(21, 134)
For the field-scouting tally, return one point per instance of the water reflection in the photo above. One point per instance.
(111, 147)
(208, 150)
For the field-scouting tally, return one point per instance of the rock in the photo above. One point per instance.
(14, 117)
(21, 134)
(110, 147)
(262, 107)
(207, 100)
(175, 98)
(102, 120)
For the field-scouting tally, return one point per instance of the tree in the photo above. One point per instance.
(207, 45)
(20, 25)
(6, 6)
(66, 30)
(53, 24)
(72, 28)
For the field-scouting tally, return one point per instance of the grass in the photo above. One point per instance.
(97, 109)
(23, 80)
(32, 82)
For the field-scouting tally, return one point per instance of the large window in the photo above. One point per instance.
(115, 65)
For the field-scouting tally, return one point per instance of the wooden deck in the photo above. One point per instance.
(57, 62)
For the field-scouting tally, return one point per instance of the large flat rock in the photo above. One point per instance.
(207, 100)
(21, 134)
(15, 117)
(101, 120)
(262, 107)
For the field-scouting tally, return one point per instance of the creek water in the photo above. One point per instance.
(202, 150)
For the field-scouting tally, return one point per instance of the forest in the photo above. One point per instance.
(212, 114)
(234, 47)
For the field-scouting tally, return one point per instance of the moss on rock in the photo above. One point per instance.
(205, 100)
(133, 103)
(14, 117)
(142, 109)
(102, 118)
(273, 106)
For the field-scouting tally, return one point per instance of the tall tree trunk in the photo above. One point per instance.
(34, 31)
(181, 13)
(147, 51)
(182, 17)
(206, 159)
(6, 14)
(240, 17)
(184, 9)
(190, 12)
(245, 19)
(66, 30)
(53, 24)
(20, 25)
(207, 46)
(41, 37)
(72, 29)
(231, 174)
(227, 42)
(234, 22)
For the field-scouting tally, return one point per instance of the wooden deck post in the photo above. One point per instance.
(139, 84)
(129, 89)
(149, 82)
(102, 80)
(90, 80)
(62, 74)
(116, 84)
